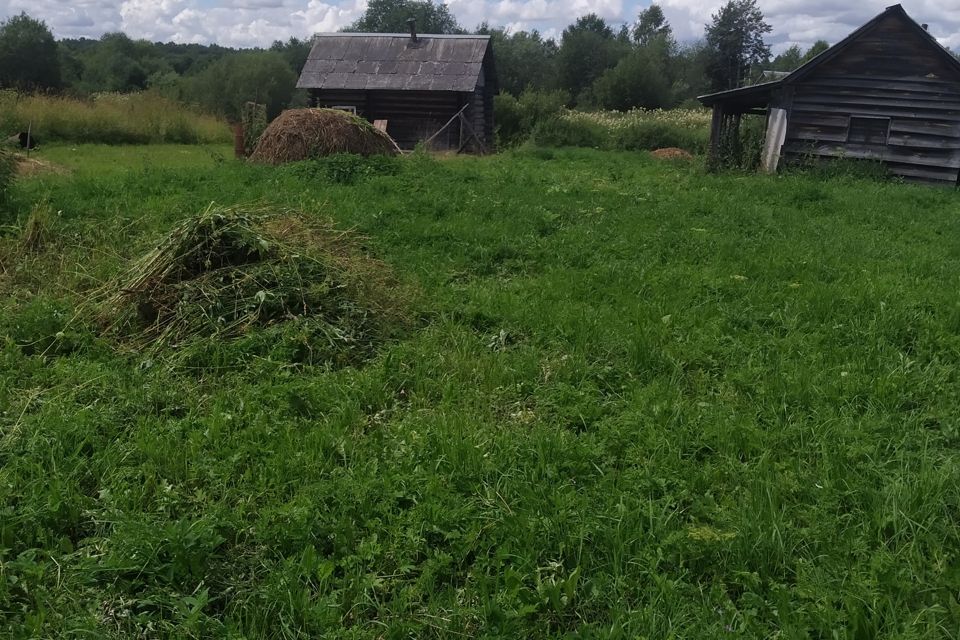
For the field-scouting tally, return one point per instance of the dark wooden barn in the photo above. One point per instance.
(423, 88)
(888, 92)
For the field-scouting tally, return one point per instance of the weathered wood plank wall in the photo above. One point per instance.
(887, 74)
(411, 116)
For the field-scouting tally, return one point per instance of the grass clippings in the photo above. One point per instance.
(671, 153)
(30, 167)
(230, 272)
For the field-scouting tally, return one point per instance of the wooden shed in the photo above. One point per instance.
(423, 88)
(888, 92)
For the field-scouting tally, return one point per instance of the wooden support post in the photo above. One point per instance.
(716, 124)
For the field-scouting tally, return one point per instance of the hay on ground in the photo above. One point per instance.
(671, 153)
(28, 167)
(228, 273)
(301, 134)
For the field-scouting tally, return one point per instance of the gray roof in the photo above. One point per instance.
(392, 61)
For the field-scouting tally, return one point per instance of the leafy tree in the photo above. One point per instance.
(689, 65)
(29, 58)
(294, 51)
(257, 76)
(789, 60)
(590, 23)
(818, 47)
(587, 49)
(735, 40)
(523, 60)
(651, 25)
(114, 65)
(390, 16)
(641, 79)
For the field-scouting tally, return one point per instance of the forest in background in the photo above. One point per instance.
(594, 64)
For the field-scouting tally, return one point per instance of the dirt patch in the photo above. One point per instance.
(671, 153)
(301, 134)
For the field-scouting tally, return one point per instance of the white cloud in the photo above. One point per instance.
(259, 22)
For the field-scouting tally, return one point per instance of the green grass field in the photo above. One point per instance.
(638, 401)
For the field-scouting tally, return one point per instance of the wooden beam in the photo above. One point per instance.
(716, 124)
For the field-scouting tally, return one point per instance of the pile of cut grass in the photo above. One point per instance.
(230, 272)
(301, 134)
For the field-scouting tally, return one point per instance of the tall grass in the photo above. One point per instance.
(110, 118)
(7, 173)
(634, 130)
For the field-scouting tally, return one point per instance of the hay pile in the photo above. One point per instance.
(301, 134)
(671, 153)
(28, 167)
(233, 273)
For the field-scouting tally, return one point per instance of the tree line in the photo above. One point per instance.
(593, 64)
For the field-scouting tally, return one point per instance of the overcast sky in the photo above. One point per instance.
(247, 23)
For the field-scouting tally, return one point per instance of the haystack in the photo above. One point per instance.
(228, 273)
(28, 167)
(301, 134)
(671, 153)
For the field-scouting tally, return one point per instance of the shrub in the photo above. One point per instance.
(568, 132)
(635, 130)
(517, 117)
(647, 136)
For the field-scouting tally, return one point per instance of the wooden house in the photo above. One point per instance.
(436, 89)
(888, 92)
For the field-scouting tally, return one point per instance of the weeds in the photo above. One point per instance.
(635, 130)
(8, 171)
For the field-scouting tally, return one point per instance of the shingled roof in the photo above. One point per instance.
(393, 61)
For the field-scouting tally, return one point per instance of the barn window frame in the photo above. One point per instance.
(865, 123)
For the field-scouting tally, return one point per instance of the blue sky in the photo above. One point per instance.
(260, 22)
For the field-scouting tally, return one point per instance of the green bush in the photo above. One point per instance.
(647, 136)
(564, 132)
(517, 117)
(635, 130)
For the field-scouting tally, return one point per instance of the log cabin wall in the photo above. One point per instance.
(889, 96)
(412, 116)
(436, 88)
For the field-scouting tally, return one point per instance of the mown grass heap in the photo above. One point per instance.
(301, 134)
(228, 272)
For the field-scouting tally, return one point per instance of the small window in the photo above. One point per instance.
(868, 130)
